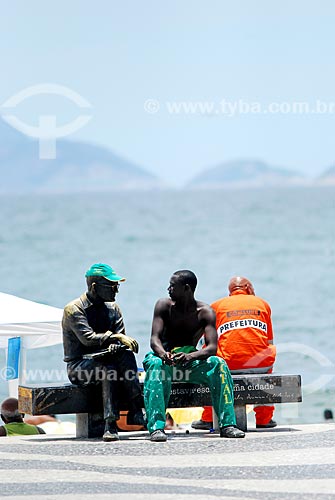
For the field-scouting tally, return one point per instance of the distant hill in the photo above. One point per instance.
(78, 167)
(245, 173)
(328, 177)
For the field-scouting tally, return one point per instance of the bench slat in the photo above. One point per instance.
(248, 389)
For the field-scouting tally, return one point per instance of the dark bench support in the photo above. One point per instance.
(89, 425)
(81, 400)
(241, 417)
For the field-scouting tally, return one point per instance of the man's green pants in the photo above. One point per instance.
(212, 372)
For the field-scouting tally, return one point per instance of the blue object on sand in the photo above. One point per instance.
(13, 357)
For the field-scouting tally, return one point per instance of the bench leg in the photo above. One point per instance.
(90, 425)
(241, 417)
(215, 420)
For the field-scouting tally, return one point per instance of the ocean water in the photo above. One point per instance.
(283, 240)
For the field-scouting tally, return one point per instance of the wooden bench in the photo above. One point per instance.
(86, 401)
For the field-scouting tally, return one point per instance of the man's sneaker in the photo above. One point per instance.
(158, 436)
(269, 425)
(110, 433)
(231, 432)
(202, 425)
(110, 436)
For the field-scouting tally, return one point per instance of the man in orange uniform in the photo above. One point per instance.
(243, 323)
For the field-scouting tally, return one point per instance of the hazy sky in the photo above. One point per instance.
(119, 55)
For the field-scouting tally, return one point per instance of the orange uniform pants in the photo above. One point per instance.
(263, 414)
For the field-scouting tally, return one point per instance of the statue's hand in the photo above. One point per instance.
(114, 348)
(127, 341)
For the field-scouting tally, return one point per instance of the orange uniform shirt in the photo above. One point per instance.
(244, 330)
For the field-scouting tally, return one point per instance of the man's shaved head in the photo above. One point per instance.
(241, 283)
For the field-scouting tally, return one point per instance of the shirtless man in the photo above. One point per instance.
(177, 325)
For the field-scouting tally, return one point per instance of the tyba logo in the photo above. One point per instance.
(46, 131)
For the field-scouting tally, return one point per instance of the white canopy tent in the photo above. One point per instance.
(38, 325)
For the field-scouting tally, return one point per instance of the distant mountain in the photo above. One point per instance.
(78, 167)
(328, 177)
(245, 173)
